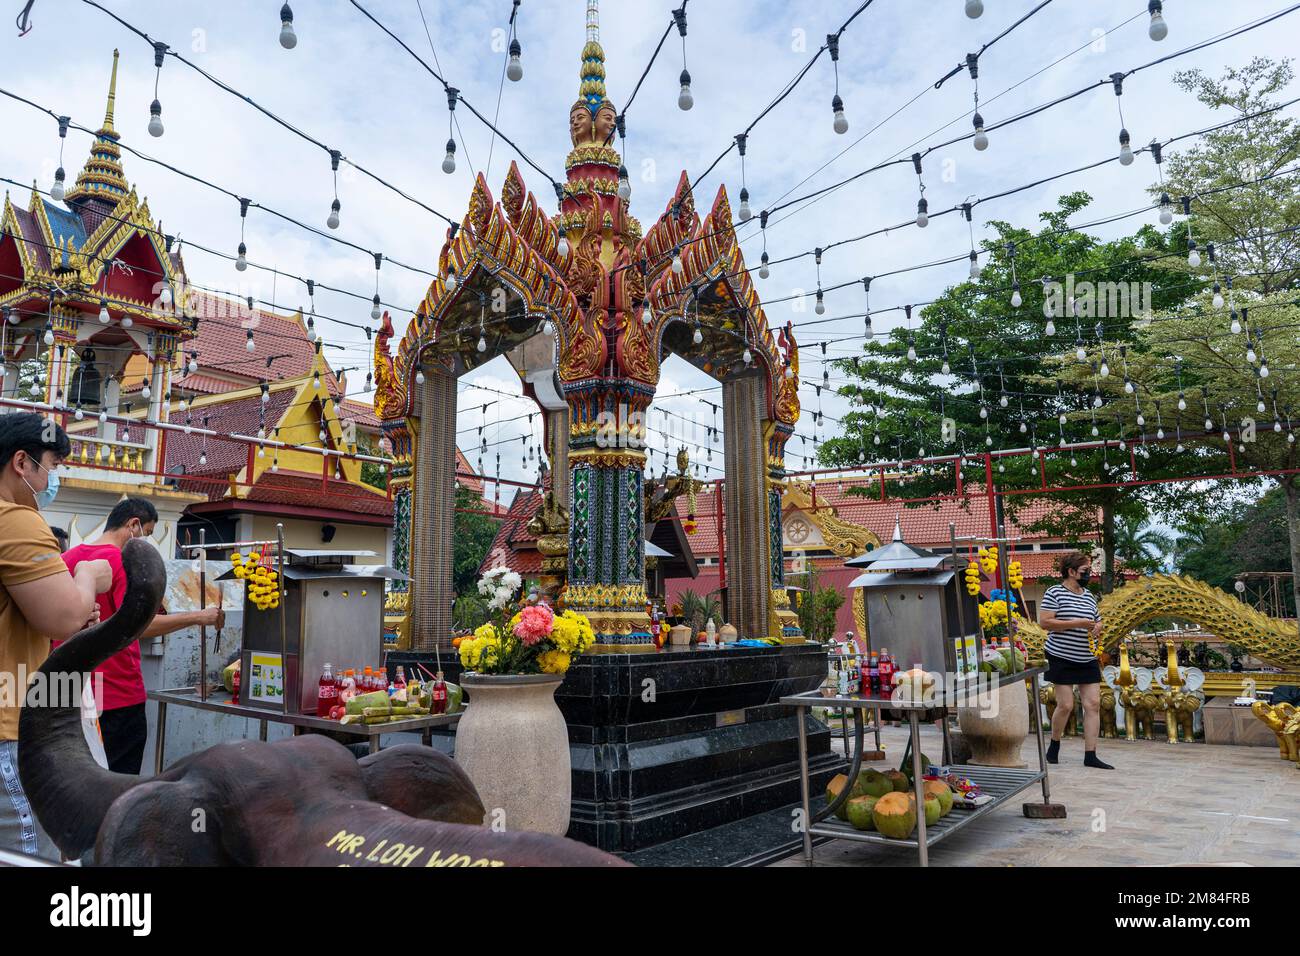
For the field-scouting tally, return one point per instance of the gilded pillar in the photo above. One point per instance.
(747, 505)
(433, 512)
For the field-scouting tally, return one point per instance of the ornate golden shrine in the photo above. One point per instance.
(618, 301)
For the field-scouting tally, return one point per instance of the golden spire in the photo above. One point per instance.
(102, 176)
(112, 97)
(591, 87)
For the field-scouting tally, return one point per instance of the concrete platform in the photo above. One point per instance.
(1163, 805)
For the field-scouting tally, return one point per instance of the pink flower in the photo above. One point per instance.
(535, 623)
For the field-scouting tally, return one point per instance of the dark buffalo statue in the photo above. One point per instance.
(305, 801)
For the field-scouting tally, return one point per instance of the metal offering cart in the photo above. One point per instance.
(1001, 783)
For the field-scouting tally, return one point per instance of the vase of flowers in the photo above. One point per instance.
(513, 741)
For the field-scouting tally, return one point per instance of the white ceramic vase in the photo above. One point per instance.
(514, 745)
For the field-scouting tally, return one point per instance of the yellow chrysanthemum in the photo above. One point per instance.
(553, 662)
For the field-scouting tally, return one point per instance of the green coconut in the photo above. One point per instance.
(859, 812)
(925, 767)
(894, 815)
(874, 783)
(837, 783)
(933, 811)
(898, 780)
(942, 792)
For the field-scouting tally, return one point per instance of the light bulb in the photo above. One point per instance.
(789, 373)
(1236, 324)
(333, 221)
(419, 377)
(820, 307)
(1259, 406)
(1158, 29)
(449, 161)
(1096, 401)
(515, 69)
(1263, 370)
(562, 247)
(984, 412)
(763, 270)
(184, 405)
(374, 307)
(1061, 418)
(841, 124)
(146, 392)
(1023, 428)
(1209, 425)
(974, 8)
(241, 261)
(1125, 151)
(684, 99)
(1128, 386)
(451, 281)
(79, 415)
(127, 322)
(56, 191)
(1290, 437)
(745, 212)
(647, 316)
(1001, 467)
(1074, 462)
(1141, 420)
(1105, 369)
(288, 39)
(748, 356)
(988, 441)
(922, 212)
(103, 312)
(1016, 299)
(166, 295)
(974, 265)
(677, 263)
(1218, 297)
(48, 338)
(698, 337)
(203, 458)
(1182, 403)
(1081, 354)
(1179, 448)
(249, 344)
(103, 417)
(981, 141)
(946, 368)
(876, 439)
(911, 353)
(1250, 352)
(1095, 433)
(482, 344)
(1193, 258)
(1166, 213)
(1002, 401)
(548, 327)
(624, 184)
(1050, 328)
(1160, 433)
(194, 365)
(155, 119)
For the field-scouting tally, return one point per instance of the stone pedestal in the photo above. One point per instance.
(668, 743)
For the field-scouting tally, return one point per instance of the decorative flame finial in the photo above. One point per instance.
(112, 97)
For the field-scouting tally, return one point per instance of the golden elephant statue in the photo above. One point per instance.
(1284, 721)
(1108, 727)
(1185, 705)
(1130, 697)
(1145, 705)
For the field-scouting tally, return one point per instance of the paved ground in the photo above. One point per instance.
(1162, 805)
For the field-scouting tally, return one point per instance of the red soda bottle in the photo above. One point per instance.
(874, 672)
(438, 697)
(368, 680)
(886, 672)
(327, 692)
(234, 693)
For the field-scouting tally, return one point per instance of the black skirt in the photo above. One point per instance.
(1062, 671)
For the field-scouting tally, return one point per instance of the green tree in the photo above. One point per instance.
(473, 532)
(818, 608)
(1140, 546)
(979, 363)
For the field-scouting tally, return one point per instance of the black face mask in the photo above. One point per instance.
(1085, 576)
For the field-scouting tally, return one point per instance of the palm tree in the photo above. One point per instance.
(1141, 547)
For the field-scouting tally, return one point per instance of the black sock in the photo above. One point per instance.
(1090, 760)
(1053, 749)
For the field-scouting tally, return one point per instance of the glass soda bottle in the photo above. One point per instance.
(327, 692)
(874, 673)
(234, 693)
(438, 696)
(886, 672)
(399, 685)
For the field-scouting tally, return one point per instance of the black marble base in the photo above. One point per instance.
(753, 841)
(670, 743)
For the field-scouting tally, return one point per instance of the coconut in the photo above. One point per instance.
(898, 780)
(933, 811)
(874, 783)
(941, 791)
(894, 815)
(859, 812)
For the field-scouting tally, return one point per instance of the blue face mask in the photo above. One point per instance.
(44, 498)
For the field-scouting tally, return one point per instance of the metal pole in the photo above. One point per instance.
(1038, 731)
(160, 738)
(803, 785)
(919, 783)
(203, 628)
(284, 652)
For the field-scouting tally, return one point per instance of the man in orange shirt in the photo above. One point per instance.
(39, 599)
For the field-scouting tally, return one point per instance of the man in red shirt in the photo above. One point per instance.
(122, 720)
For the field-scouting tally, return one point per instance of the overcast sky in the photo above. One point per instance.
(352, 87)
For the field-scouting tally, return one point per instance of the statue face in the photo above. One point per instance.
(579, 125)
(605, 118)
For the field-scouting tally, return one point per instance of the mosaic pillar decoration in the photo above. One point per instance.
(433, 521)
(784, 620)
(749, 547)
(397, 602)
(606, 579)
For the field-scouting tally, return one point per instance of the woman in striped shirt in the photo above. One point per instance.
(1069, 614)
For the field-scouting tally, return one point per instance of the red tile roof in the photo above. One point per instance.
(304, 491)
(363, 413)
(513, 532)
(238, 417)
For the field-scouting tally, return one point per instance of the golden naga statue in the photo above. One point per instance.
(661, 495)
(1284, 721)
